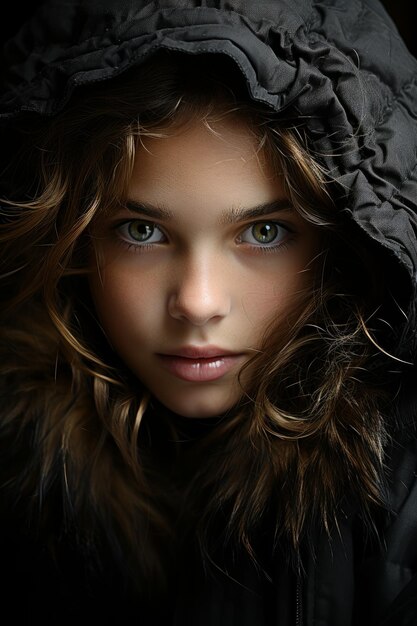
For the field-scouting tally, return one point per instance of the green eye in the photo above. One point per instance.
(265, 233)
(140, 231)
(136, 232)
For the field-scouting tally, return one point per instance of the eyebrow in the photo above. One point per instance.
(232, 216)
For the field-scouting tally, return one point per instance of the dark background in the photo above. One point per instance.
(401, 12)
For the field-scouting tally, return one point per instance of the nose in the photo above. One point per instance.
(201, 292)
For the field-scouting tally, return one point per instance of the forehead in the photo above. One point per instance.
(209, 165)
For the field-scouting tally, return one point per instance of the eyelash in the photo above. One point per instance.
(262, 249)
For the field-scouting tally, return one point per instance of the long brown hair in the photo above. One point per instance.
(308, 429)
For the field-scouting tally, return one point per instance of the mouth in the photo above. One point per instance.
(200, 364)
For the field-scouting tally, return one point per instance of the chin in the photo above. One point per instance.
(197, 408)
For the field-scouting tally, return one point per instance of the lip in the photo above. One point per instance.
(199, 352)
(200, 364)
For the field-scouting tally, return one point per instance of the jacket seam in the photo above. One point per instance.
(397, 189)
(391, 104)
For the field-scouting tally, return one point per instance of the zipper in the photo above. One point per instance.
(299, 603)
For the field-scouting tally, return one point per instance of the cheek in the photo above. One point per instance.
(274, 294)
(126, 306)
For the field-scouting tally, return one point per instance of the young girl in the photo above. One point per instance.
(208, 262)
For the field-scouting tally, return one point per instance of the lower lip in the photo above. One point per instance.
(199, 370)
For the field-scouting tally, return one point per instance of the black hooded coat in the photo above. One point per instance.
(342, 65)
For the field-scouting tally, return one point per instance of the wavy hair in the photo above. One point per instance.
(307, 433)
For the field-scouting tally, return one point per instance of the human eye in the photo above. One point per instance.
(140, 233)
(267, 234)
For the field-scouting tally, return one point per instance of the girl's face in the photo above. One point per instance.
(207, 252)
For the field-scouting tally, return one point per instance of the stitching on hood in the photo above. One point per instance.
(406, 178)
(396, 100)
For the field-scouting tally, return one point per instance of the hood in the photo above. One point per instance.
(340, 64)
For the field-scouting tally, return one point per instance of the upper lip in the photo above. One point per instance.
(199, 352)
